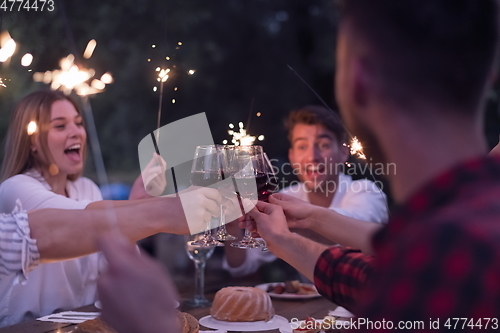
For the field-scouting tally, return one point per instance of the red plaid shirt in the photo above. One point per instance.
(437, 259)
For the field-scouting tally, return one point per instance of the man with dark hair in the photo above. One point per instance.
(411, 81)
(318, 155)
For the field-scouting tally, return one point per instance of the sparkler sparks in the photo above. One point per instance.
(8, 47)
(70, 77)
(107, 78)
(89, 50)
(1, 83)
(163, 74)
(26, 60)
(357, 149)
(242, 138)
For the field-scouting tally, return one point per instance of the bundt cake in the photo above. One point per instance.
(242, 304)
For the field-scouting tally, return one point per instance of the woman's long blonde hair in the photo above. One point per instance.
(18, 155)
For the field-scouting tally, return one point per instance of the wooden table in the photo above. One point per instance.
(315, 307)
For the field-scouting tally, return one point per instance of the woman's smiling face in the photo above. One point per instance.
(66, 138)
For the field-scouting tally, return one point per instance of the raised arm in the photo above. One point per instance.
(340, 274)
(298, 251)
(65, 234)
(338, 228)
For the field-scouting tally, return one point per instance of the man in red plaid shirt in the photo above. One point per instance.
(411, 80)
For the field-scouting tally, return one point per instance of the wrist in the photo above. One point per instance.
(315, 218)
(280, 244)
(172, 218)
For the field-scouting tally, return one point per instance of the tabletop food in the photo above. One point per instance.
(242, 304)
(94, 326)
(292, 287)
(187, 323)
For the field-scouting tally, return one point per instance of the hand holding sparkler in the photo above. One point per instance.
(152, 180)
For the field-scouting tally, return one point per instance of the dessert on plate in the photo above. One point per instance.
(242, 304)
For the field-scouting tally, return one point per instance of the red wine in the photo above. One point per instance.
(201, 178)
(265, 185)
(268, 188)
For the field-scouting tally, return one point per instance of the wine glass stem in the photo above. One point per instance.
(207, 234)
(199, 280)
(222, 219)
(247, 236)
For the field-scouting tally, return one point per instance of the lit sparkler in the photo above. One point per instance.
(163, 75)
(1, 83)
(71, 78)
(357, 149)
(162, 78)
(242, 138)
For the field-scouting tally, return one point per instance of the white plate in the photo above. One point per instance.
(341, 312)
(98, 304)
(248, 326)
(265, 286)
(288, 328)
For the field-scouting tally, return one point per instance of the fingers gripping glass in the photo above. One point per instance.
(250, 179)
(206, 172)
(226, 154)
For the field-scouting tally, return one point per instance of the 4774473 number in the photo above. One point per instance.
(27, 5)
(465, 323)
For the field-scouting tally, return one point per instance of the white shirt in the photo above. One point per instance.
(18, 252)
(55, 286)
(359, 199)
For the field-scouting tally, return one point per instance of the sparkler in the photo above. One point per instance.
(357, 149)
(71, 78)
(242, 138)
(163, 76)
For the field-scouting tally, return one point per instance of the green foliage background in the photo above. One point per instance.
(240, 50)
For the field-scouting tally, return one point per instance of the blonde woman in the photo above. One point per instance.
(43, 170)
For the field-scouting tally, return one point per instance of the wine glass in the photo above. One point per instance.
(200, 255)
(226, 154)
(250, 178)
(271, 185)
(272, 180)
(206, 171)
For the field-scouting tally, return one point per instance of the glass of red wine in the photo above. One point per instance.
(206, 171)
(226, 154)
(251, 181)
(272, 180)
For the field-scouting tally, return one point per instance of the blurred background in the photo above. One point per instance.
(240, 54)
